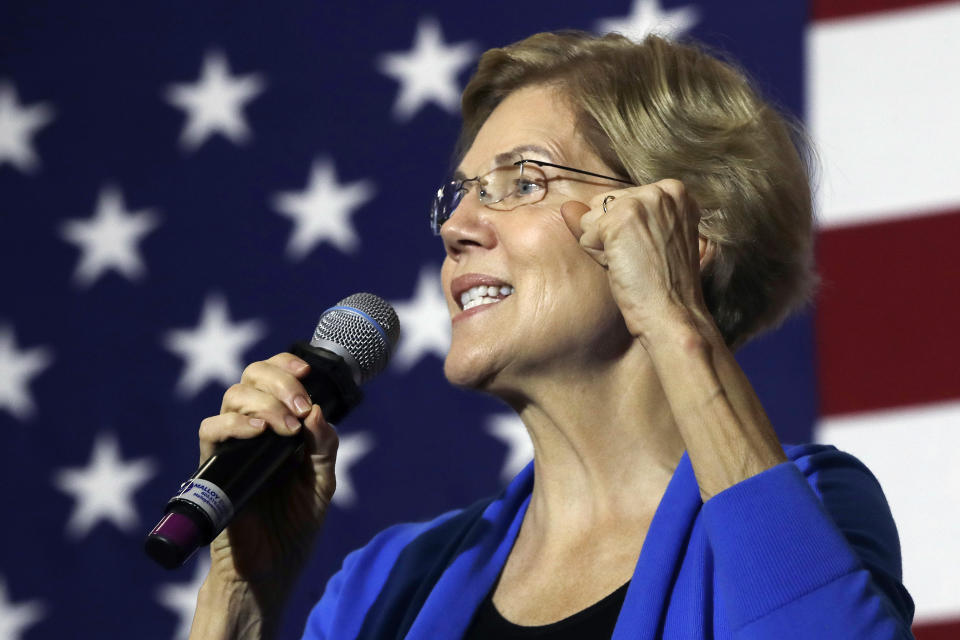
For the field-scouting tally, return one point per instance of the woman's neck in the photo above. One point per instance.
(605, 445)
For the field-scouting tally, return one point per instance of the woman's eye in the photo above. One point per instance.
(526, 187)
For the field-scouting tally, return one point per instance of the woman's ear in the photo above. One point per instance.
(708, 251)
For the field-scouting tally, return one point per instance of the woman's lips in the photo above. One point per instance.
(467, 281)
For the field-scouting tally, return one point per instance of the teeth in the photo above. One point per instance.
(479, 301)
(483, 294)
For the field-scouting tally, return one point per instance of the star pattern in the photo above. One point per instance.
(213, 351)
(16, 618)
(509, 429)
(214, 104)
(425, 319)
(428, 72)
(353, 446)
(104, 489)
(647, 16)
(18, 125)
(17, 369)
(109, 239)
(323, 211)
(181, 598)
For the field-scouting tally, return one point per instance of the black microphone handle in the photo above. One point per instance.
(225, 481)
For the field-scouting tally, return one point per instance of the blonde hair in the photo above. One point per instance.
(659, 109)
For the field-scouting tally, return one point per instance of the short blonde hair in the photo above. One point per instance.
(660, 109)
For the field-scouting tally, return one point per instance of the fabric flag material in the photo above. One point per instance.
(881, 113)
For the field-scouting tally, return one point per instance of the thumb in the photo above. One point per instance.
(572, 211)
(322, 439)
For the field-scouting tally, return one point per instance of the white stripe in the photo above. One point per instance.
(883, 106)
(914, 454)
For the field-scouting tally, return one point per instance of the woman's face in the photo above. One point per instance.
(560, 315)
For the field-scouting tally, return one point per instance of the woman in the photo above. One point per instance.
(622, 217)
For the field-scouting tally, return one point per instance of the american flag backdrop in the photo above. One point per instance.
(185, 186)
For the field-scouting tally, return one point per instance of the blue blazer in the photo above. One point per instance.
(807, 549)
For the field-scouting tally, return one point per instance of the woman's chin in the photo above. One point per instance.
(468, 370)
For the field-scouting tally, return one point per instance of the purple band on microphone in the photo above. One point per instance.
(178, 529)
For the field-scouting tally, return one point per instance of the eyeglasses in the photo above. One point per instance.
(513, 184)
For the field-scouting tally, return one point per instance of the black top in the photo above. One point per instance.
(596, 621)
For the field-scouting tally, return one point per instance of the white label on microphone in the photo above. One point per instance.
(211, 499)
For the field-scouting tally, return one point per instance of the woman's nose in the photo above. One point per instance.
(469, 226)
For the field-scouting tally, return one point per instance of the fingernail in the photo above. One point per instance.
(298, 366)
(292, 423)
(257, 423)
(302, 405)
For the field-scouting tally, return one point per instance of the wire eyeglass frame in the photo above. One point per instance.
(451, 192)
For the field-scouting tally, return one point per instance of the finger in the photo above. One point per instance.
(592, 225)
(250, 401)
(592, 245)
(677, 191)
(596, 202)
(291, 363)
(582, 222)
(323, 439)
(216, 429)
(320, 454)
(280, 383)
(683, 201)
(663, 214)
(684, 213)
(572, 211)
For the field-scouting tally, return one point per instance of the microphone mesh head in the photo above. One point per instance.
(366, 326)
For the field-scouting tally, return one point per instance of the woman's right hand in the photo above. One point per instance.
(269, 540)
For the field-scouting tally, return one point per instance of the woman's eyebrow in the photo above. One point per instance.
(506, 156)
(534, 148)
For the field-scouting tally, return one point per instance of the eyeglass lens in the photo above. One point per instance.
(504, 188)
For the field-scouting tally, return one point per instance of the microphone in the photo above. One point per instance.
(352, 343)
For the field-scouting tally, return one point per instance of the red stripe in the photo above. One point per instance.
(888, 314)
(828, 9)
(940, 631)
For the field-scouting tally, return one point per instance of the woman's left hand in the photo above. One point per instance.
(648, 240)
